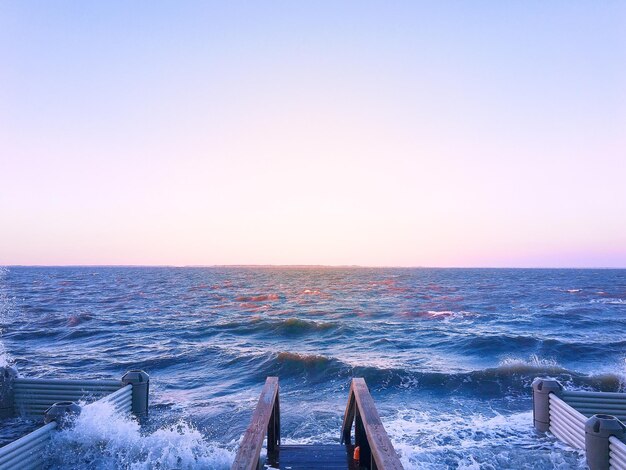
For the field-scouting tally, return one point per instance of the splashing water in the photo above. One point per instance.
(4, 357)
(5, 308)
(427, 440)
(102, 438)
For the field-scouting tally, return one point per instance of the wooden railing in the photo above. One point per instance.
(265, 421)
(376, 450)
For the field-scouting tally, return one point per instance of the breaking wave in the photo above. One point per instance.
(511, 376)
(5, 309)
(441, 440)
(290, 326)
(102, 438)
(609, 301)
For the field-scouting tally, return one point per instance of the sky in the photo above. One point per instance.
(438, 133)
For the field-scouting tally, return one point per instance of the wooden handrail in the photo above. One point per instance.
(376, 448)
(265, 419)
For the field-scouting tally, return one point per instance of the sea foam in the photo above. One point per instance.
(102, 438)
(486, 441)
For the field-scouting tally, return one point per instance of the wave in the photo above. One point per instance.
(5, 309)
(102, 438)
(300, 326)
(496, 344)
(78, 318)
(438, 440)
(610, 301)
(283, 326)
(258, 298)
(4, 356)
(305, 359)
(445, 315)
(511, 376)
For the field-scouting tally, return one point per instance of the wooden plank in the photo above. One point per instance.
(348, 417)
(360, 438)
(383, 453)
(273, 434)
(318, 456)
(248, 454)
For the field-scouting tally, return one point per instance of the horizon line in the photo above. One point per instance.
(336, 266)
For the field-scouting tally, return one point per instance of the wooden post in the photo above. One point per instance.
(273, 434)
(348, 419)
(360, 439)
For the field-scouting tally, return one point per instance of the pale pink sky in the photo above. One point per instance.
(434, 134)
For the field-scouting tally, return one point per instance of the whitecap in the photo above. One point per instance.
(102, 438)
(6, 305)
(436, 440)
(610, 301)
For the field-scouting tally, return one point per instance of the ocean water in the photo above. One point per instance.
(448, 355)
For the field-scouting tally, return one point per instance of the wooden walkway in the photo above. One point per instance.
(372, 445)
(313, 457)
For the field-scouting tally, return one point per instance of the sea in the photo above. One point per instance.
(448, 356)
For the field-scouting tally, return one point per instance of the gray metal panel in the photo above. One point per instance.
(25, 453)
(34, 396)
(617, 454)
(566, 394)
(566, 423)
(78, 382)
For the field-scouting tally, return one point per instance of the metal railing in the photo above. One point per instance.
(27, 452)
(566, 423)
(591, 403)
(590, 421)
(121, 399)
(617, 454)
(34, 396)
(54, 400)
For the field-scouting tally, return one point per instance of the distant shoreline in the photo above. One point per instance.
(301, 266)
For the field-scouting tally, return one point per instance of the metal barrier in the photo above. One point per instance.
(591, 403)
(122, 399)
(27, 452)
(617, 454)
(591, 421)
(55, 401)
(566, 423)
(32, 397)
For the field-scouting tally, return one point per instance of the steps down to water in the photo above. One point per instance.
(310, 457)
(375, 451)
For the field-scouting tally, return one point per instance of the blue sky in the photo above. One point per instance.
(375, 133)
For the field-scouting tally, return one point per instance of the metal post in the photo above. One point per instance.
(140, 381)
(542, 387)
(63, 412)
(7, 391)
(598, 429)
